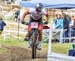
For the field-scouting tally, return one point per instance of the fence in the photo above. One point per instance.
(60, 57)
(55, 56)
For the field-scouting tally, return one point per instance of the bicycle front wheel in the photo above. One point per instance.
(34, 45)
(33, 51)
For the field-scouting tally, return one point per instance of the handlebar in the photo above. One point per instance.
(26, 23)
(44, 26)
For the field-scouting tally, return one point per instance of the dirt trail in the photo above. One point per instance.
(14, 53)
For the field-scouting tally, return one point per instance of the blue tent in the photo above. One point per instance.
(61, 6)
(50, 3)
(31, 4)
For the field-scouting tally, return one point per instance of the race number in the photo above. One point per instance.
(34, 25)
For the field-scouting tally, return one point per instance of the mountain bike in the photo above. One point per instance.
(34, 38)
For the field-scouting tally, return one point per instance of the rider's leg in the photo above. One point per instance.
(28, 33)
(28, 36)
(29, 28)
(39, 36)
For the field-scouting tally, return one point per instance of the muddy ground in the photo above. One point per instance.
(16, 53)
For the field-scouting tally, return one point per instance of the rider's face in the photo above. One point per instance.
(39, 10)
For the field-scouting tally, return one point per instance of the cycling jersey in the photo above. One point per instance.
(35, 15)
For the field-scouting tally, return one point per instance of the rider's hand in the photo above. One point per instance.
(22, 22)
(46, 22)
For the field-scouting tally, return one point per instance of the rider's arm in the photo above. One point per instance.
(44, 12)
(25, 13)
(47, 16)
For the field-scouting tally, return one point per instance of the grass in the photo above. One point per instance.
(56, 47)
(61, 48)
(16, 42)
(13, 42)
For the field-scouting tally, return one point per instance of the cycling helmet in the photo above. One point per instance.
(39, 7)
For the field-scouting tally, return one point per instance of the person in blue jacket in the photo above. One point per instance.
(59, 21)
(2, 24)
(59, 25)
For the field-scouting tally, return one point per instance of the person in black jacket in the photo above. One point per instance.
(17, 14)
(66, 24)
(2, 24)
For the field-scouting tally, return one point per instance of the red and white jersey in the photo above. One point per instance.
(36, 15)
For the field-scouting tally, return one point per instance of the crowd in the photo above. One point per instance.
(67, 23)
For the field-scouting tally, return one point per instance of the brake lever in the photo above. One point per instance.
(25, 23)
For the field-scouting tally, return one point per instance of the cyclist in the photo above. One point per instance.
(36, 16)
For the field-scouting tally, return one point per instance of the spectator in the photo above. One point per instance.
(72, 25)
(59, 25)
(2, 24)
(17, 14)
(59, 21)
(66, 24)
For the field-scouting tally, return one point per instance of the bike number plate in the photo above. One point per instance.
(34, 25)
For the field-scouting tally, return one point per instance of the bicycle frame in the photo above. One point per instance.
(34, 39)
(34, 42)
